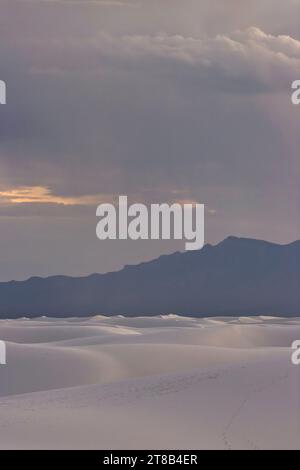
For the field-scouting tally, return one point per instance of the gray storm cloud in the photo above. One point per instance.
(159, 103)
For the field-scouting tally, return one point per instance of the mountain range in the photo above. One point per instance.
(239, 276)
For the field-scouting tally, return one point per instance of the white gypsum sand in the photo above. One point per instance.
(150, 383)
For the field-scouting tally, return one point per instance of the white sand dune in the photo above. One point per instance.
(160, 382)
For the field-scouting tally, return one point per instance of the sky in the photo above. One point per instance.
(161, 100)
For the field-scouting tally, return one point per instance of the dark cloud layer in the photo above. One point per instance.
(153, 101)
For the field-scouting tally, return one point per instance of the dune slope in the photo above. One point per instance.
(159, 382)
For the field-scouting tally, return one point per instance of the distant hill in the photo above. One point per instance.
(239, 276)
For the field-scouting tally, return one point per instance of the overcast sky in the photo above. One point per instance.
(162, 100)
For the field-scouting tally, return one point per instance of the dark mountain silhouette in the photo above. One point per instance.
(239, 276)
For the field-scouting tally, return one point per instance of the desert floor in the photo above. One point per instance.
(164, 382)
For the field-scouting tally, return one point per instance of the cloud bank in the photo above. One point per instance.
(188, 102)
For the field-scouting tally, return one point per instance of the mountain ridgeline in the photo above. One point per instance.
(239, 276)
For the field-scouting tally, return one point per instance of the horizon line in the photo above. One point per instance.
(85, 276)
